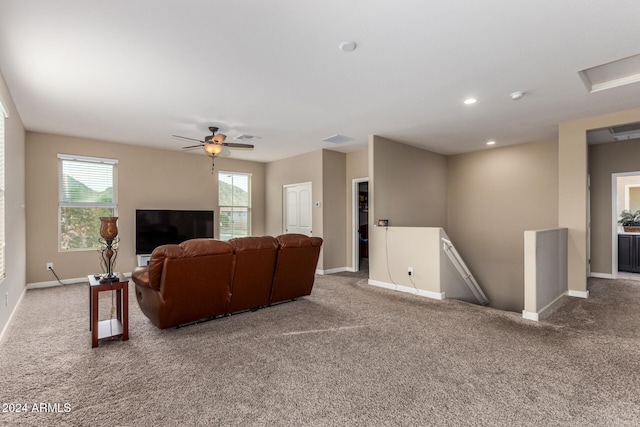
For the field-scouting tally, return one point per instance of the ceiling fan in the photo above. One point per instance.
(213, 144)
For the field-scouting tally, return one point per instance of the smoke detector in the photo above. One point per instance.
(517, 95)
(348, 46)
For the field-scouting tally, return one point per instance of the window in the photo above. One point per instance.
(3, 115)
(87, 192)
(234, 201)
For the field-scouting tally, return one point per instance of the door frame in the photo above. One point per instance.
(614, 222)
(355, 203)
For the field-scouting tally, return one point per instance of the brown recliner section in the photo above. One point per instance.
(186, 282)
(296, 266)
(254, 264)
(204, 278)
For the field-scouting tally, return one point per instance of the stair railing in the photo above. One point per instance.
(459, 264)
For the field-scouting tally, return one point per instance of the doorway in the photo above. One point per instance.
(625, 246)
(360, 208)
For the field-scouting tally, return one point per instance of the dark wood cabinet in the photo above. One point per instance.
(629, 252)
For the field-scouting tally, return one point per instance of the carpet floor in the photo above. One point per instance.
(350, 354)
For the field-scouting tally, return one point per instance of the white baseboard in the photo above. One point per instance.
(414, 291)
(578, 294)
(52, 283)
(332, 270)
(13, 312)
(544, 311)
(602, 275)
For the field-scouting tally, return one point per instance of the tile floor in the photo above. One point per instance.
(628, 276)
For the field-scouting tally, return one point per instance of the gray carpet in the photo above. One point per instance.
(348, 355)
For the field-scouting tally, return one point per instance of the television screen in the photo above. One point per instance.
(162, 227)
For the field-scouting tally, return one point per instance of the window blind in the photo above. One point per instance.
(87, 191)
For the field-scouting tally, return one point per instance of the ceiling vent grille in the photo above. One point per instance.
(338, 139)
(244, 137)
(613, 74)
(625, 132)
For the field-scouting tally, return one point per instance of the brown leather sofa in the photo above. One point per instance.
(205, 278)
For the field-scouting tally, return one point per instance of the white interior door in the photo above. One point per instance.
(297, 208)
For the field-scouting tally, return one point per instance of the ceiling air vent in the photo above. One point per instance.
(244, 137)
(338, 139)
(613, 74)
(625, 132)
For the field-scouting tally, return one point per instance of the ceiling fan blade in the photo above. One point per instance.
(184, 137)
(191, 147)
(237, 145)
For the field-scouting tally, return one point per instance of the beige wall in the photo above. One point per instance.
(357, 168)
(399, 248)
(13, 285)
(294, 170)
(334, 206)
(494, 196)
(605, 160)
(147, 179)
(572, 187)
(409, 185)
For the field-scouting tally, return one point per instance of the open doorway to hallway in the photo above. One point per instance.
(613, 179)
(360, 225)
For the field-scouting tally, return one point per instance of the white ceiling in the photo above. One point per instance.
(139, 71)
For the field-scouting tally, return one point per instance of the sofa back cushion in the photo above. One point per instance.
(295, 267)
(194, 279)
(254, 264)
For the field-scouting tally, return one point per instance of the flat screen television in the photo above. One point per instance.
(161, 227)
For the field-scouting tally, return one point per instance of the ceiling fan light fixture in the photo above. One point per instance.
(212, 148)
(219, 138)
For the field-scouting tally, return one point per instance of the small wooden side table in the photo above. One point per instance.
(112, 327)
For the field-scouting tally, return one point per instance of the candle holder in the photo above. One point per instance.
(109, 251)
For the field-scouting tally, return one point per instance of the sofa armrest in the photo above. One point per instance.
(140, 276)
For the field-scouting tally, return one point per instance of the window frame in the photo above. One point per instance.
(4, 114)
(89, 205)
(234, 205)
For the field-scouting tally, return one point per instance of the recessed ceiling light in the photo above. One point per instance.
(348, 46)
(491, 143)
(470, 101)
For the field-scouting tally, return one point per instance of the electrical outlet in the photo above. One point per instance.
(410, 271)
(49, 266)
(6, 299)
